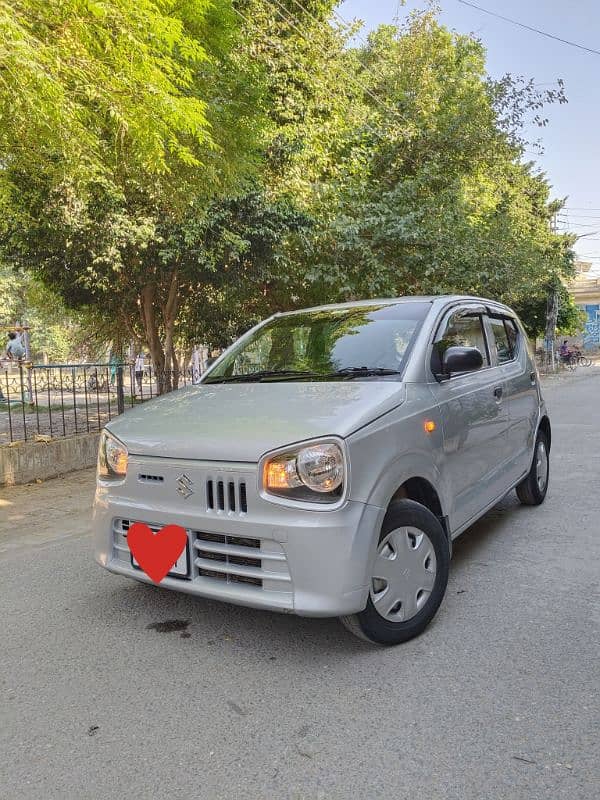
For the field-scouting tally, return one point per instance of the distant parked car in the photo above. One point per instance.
(327, 460)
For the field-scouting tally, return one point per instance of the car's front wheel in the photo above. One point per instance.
(409, 576)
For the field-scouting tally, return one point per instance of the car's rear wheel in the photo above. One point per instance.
(532, 490)
(409, 576)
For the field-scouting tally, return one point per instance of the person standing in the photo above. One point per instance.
(14, 349)
(139, 371)
(113, 362)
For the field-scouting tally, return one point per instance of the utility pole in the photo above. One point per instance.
(552, 308)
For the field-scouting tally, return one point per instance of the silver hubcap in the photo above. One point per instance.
(403, 574)
(541, 466)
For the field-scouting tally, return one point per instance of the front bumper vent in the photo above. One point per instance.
(229, 558)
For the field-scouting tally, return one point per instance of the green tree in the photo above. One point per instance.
(160, 104)
(320, 171)
(24, 299)
(434, 197)
(104, 84)
(532, 309)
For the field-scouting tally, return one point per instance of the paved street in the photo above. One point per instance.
(498, 699)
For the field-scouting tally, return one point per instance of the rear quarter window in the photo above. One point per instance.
(505, 351)
(513, 335)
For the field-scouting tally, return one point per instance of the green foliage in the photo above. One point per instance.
(433, 197)
(81, 74)
(126, 110)
(178, 169)
(236, 262)
(532, 310)
(53, 330)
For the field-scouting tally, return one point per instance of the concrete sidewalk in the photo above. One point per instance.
(46, 512)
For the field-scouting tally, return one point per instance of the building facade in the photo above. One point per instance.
(585, 290)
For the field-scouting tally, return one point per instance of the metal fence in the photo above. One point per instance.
(38, 402)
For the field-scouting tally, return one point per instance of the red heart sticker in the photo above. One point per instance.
(156, 553)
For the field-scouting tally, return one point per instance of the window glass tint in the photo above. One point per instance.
(462, 330)
(504, 351)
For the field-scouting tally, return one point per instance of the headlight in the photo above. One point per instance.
(112, 457)
(314, 473)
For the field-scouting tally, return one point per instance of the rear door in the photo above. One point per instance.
(521, 391)
(474, 415)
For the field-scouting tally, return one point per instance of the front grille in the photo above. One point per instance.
(227, 496)
(217, 557)
(230, 552)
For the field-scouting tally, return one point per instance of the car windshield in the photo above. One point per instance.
(362, 342)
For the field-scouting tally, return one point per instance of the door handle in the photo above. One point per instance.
(533, 378)
(498, 392)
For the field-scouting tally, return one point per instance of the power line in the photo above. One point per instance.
(529, 28)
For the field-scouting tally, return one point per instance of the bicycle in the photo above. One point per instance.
(569, 361)
(582, 360)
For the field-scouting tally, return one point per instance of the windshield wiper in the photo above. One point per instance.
(365, 372)
(252, 377)
(347, 373)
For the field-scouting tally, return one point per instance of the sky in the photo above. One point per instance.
(571, 141)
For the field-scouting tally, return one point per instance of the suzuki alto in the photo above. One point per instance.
(327, 460)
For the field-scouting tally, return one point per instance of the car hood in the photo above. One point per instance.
(241, 422)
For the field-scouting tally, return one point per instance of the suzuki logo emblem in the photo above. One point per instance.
(184, 486)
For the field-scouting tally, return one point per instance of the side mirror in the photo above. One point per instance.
(461, 359)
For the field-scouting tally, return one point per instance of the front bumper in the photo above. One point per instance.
(243, 549)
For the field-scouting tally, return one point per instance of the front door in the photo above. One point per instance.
(521, 392)
(475, 419)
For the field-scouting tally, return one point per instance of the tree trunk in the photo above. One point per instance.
(162, 352)
(176, 368)
(150, 325)
(170, 311)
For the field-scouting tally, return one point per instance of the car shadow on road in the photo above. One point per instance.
(221, 626)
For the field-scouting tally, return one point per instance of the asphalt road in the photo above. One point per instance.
(498, 699)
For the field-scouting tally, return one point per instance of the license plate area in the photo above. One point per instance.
(180, 569)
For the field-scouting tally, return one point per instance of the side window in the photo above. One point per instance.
(513, 335)
(504, 351)
(463, 329)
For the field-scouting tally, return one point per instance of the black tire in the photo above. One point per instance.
(529, 491)
(369, 624)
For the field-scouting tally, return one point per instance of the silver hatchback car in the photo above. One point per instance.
(326, 461)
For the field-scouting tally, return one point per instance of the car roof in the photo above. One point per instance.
(439, 300)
